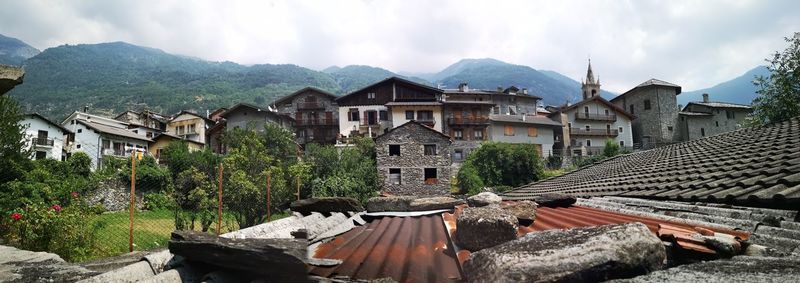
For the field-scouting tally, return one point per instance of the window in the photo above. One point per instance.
(532, 132)
(106, 144)
(430, 149)
(41, 155)
(458, 134)
(430, 176)
(620, 130)
(569, 125)
(78, 146)
(180, 129)
(496, 110)
(287, 105)
(384, 115)
(606, 112)
(191, 129)
(631, 109)
(729, 114)
(509, 131)
(371, 95)
(588, 142)
(353, 115)
(608, 129)
(458, 154)
(512, 110)
(588, 128)
(647, 104)
(394, 150)
(149, 134)
(409, 114)
(135, 131)
(80, 131)
(586, 109)
(669, 128)
(702, 132)
(622, 143)
(425, 115)
(478, 134)
(715, 122)
(394, 176)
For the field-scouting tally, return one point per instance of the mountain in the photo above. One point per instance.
(14, 52)
(554, 88)
(113, 77)
(354, 77)
(738, 90)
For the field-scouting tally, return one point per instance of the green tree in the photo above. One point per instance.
(779, 93)
(501, 165)
(347, 172)
(611, 149)
(13, 149)
(195, 194)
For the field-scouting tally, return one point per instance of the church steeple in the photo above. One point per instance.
(590, 86)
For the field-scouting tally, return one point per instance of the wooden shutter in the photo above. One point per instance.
(532, 132)
(509, 131)
(329, 118)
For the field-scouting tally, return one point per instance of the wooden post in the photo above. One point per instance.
(133, 201)
(269, 194)
(298, 187)
(219, 201)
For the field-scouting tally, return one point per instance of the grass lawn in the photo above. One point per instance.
(151, 230)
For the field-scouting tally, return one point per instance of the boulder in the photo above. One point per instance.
(484, 199)
(554, 200)
(523, 210)
(326, 205)
(478, 228)
(589, 254)
(392, 203)
(434, 203)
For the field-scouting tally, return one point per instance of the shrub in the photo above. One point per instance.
(159, 201)
(468, 179)
(554, 161)
(503, 164)
(80, 163)
(611, 149)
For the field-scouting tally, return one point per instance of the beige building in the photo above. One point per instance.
(189, 126)
(163, 140)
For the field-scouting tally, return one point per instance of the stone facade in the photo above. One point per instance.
(316, 115)
(655, 108)
(402, 160)
(703, 119)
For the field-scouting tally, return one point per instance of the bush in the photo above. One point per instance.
(611, 149)
(80, 163)
(159, 201)
(554, 161)
(502, 164)
(468, 179)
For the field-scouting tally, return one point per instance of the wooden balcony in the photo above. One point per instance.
(310, 105)
(42, 142)
(594, 132)
(315, 122)
(468, 121)
(595, 117)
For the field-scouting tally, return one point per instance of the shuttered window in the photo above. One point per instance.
(509, 131)
(532, 132)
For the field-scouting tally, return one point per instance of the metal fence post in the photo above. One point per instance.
(133, 201)
(269, 194)
(219, 201)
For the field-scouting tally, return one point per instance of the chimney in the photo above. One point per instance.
(705, 97)
(525, 91)
(463, 87)
(85, 108)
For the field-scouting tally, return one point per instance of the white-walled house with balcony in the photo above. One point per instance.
(45, 138)
(99, 137)
(589, 123)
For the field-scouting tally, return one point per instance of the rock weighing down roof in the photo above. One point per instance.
(754, 166)
(10, 77)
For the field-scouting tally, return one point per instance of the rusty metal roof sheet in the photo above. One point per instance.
(406, 249)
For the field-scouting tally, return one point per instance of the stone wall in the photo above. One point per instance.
(412, 138)
(659, 123)
(694, 126)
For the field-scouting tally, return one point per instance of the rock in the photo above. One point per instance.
(554, 200)
(483, 227)
(434, 203)
(589, 254)
(393, 203)
(523, 210)
(484, 199)
(326, 205)
(736, 269)
(9, 77)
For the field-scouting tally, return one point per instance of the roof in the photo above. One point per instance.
(112, 130)
(755, 166)
(414, 103)
(209, 121)
(37, 115)
(302, 90)
(688, 113)
(465, 102)
(529, 119)
(491, 92)
(406, 124)
(390, 79)
(715, 104)
(10, 77)
(251, 106)
(174, 137)
(601, 100)
(648, 83)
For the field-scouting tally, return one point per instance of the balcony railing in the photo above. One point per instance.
(595, 117)
(310, 105)
(468, 121)
(593, 132)
(43, 141)
(315, 122)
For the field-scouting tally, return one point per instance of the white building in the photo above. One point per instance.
(45, 138)
(99, 137)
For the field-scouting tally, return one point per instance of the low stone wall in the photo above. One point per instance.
(113, 195)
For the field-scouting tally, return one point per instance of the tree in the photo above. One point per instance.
(349, 172)
(611, 149)
(501, 165)
(13, 149)
(779, 93)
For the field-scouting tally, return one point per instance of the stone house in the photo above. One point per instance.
(707, 118)
(315, 112)
(655, 107)
(376, 108)
(414, 159)
(248, 116)
(45, 138)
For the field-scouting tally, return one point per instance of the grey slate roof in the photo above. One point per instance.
(754, 166)
(647, 83)
(688, 113)
(717, 104)
(113, 130)
(533, 120)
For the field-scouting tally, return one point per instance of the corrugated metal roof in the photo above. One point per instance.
(406, 249)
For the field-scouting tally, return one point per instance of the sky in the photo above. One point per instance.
(695, 44)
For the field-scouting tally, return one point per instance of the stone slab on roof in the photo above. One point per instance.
(737, 269)
(9, 77)
(757, 166)
(26, 266)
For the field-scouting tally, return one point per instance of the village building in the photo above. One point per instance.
(514, 118)
(466, 115)
(248, 116)
(374, 109)
(163, 140)
(414, 159)
(45, 138)
(315, 113)
(189, 126)
(214, 133)
(100, 137)
(707, 118)
(654, 104)
(146, 123)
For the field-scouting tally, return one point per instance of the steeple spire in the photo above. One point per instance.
(590, 74)
(590, 86)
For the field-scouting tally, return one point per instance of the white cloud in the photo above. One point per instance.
(692, 43)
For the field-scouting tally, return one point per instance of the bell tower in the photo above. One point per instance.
(590, 86)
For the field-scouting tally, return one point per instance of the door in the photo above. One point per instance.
(372, 117)
(41, 138)
(328, 118)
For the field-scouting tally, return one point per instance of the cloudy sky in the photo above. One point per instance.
(692, 43)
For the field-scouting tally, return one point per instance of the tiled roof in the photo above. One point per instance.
(759, 166)
(716, 104)
(113, 130)
(302, 90)
(687, 113)
(529, 119)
